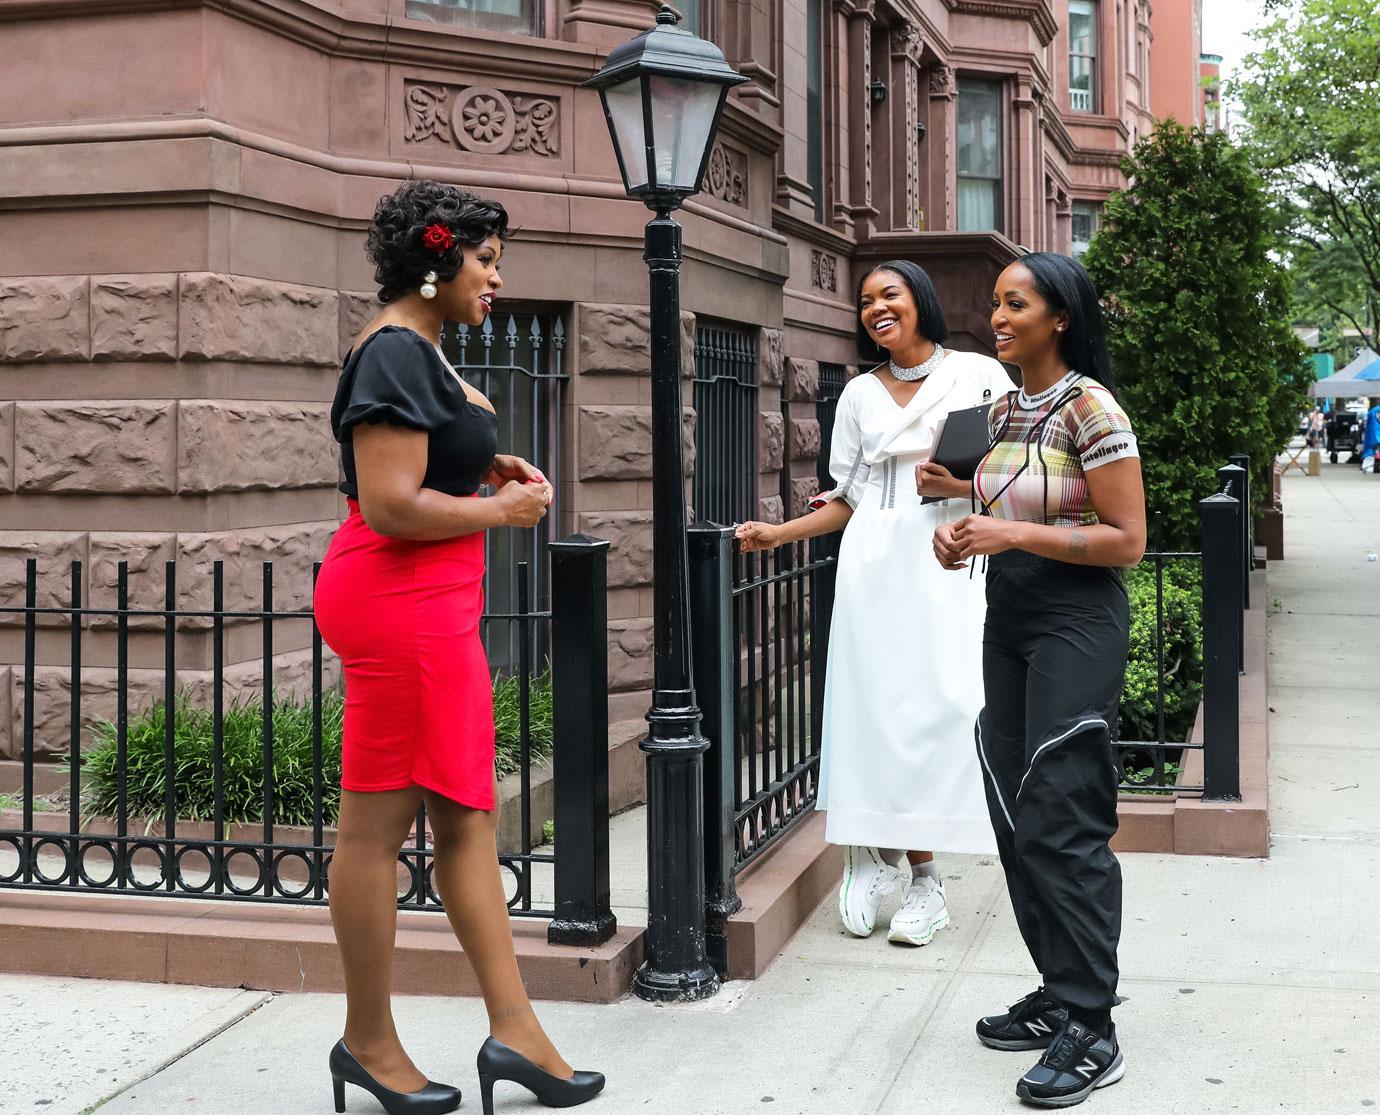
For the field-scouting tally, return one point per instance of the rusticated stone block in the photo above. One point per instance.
(45, 318)
(356, 311)
(291, 677)
(629, 534)
(6, 447)
(95, 447)
(804, 439)
(134, 317)
(616, 442)
(771, 440)
(616, 340)
(233, 446)
(146, 556)
(802, 379)
(769, 509)
(802, 489)
(54, 552)
(53, 704)
(233, 317)
(771, 359)
(292, 549)
(630, 654)
(851, 370)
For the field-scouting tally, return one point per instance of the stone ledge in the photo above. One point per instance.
(278, 948)
(1191, 826)
(779, 894)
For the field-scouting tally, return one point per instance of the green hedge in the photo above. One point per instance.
(1183, 651)
(293, 800)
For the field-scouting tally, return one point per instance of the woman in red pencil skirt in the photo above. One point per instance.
(399, 599)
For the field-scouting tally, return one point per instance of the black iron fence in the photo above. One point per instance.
(761, 642)
(761, 638)
(725, 386)
(831, 383)
(1224, 562)
(194, 800)
(518, 362)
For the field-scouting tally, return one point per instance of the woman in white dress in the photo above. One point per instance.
(899, 774)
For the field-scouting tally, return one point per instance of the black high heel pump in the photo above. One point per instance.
(497, 1062)
(434, 1099)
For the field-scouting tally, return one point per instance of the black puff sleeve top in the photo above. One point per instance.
(399, 377)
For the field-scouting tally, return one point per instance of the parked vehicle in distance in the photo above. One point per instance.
(1344, 435)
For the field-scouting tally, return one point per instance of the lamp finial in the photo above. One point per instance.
(668, 16)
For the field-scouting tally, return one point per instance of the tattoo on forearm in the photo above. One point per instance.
(1078, 543)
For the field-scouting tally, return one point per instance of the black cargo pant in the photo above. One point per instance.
(1053, 663)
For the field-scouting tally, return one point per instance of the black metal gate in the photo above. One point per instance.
(518, 364)
(725, 386)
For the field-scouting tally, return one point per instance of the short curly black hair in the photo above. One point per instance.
(402, 217)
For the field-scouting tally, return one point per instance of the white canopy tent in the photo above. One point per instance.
(1359, 379)
(1336, 388)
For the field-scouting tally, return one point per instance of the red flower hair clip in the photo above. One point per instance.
(438, 238)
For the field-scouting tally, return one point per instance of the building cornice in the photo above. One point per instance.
(920, 246)
(350, 34)
(1035, 12)
(1087, 156)
(1080, 155)
(1001, 64)
(1059, 135)
(784, 221)
(182, 129)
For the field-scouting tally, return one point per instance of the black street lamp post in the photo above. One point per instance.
(663, 92)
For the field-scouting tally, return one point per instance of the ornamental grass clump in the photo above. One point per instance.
(194, 762)
(294, 803)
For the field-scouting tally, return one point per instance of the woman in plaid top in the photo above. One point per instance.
(1062, 511)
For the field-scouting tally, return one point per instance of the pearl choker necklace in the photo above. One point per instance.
(920, 371)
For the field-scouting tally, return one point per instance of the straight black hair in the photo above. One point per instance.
(931, 317)
(1064, 284)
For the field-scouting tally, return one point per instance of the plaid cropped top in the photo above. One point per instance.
(1044, 446)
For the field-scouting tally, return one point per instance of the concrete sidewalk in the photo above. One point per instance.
(1252, 985)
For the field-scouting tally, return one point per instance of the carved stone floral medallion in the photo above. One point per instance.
(726, 176)
(482, 119)
(824, 271)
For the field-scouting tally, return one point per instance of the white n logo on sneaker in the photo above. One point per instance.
(1087, 1068)
(1039, 1027)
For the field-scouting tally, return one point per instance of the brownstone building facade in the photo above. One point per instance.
(183, 197)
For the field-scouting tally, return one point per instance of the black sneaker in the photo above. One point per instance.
(1077, 1062)
(1029, 1024)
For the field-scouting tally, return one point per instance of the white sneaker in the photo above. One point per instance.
(867, 881)
(922, 914)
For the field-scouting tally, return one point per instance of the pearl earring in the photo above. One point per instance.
(428, 287)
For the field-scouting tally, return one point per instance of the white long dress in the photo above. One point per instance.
(899, 767)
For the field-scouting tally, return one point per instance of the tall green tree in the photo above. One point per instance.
(1310, 99)
(1198, 318)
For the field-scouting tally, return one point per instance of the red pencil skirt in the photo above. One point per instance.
(404, 618)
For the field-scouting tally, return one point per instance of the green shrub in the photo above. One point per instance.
(243, 780)
(1183, 651)
(1198, 319)
(1140, 770)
